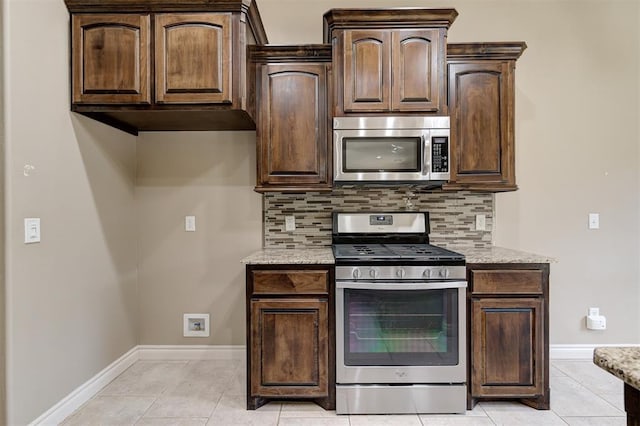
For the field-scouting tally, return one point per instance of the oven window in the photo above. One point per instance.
(388, 154)
(401, 327)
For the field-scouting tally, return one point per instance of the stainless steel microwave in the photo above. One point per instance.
(403, 149)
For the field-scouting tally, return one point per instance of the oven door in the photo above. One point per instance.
(400, 332)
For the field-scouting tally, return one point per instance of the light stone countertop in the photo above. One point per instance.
(623, 362)
(290, 256)
(325, 256)
(495, 254)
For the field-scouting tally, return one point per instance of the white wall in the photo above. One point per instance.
(210, 175)
(71, 299)
(577, 142)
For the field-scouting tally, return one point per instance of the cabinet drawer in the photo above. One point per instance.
(507, 281)
(290, 282)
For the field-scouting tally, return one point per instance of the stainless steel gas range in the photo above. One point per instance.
(400, 317)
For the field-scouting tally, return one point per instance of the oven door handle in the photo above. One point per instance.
(397, 285)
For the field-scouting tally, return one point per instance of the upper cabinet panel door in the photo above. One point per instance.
(110, 58)
(416, 70)
(481, 103)
(367, 70)
(293, 125)
(193, 58)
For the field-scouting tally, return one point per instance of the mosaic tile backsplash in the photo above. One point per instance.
(452, 214)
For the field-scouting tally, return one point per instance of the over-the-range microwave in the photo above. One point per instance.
(393, 150)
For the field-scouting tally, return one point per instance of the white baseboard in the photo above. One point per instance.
(577, 351)
(87, 390)
(91, 387)
(191, 352)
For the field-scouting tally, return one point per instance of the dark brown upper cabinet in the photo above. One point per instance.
(143, 65)
(193, 58)
(293, 126)
(482, 109)
(388, 60)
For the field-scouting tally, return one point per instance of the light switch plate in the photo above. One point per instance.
(594, 221)
(31, 230)
(190, 223)
(481, 222)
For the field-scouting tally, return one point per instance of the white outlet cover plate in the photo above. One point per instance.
(289, 223)
(594, 221)
(189, 325)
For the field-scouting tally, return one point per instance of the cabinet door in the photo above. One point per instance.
(507, 345)
(481, 107)
(292, 137)
(416, 70)
(193, 58)
(289, 353)
(110, 58)
(367, 70)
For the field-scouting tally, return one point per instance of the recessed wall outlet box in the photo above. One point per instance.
(196, 325)
(595, 321)
(289, 223)
(31, 230)
(190, 223)
(594, 220)
(481, 222)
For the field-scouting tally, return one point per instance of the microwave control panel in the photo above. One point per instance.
(440, 154)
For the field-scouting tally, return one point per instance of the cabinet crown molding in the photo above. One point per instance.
(153, 5)
(298, 53)
(390, 17)
(510, 50)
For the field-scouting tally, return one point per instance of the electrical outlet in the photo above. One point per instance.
(481, 222)
(289, 223)
(595, 321)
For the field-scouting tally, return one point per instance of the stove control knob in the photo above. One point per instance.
(444, 273)
(373, 273)
(356, 273)
(427, 273)
(400, 273)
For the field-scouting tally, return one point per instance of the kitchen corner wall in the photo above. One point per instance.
(451, 214)
(209, 175)
(71, 300)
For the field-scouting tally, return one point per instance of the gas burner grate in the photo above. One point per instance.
(423, 251)
(361, 251)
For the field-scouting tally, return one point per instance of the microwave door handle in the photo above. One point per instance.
(426, 167)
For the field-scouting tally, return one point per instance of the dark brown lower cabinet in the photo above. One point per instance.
(290, 350)
(509, 333)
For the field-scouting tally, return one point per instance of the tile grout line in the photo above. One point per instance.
(584, 386)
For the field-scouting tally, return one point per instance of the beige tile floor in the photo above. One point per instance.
(213, 393)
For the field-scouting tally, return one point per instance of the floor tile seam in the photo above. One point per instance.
(146, 411)
(213, 410)
(604, 417)
(129, 395)
(596, 394)
(495, 422)
(568, 373)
